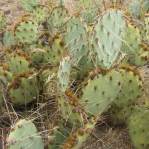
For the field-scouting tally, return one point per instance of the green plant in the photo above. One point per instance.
(57, 19)
(40, 14)
(26, 32)
(24, 135)
(84, 62)
(101, 92)
(76, 40)
(17, 63)
(9, 39)
(134, 47)
(23, 89)
(2, 21)
(29, 5)
(108, 38)
(69, 111)
(5, 78)
(79, 136)
(64, 73)
(138, 128)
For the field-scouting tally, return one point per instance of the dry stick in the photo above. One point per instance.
(7, 108)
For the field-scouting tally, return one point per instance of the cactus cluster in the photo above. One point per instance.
(87, 62)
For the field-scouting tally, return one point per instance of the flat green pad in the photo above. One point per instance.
(2, 20)
(64, 73)
(139, 128)
(17, 64)
(29, 5)
(24, 136)
(23, 90)
(76, 40)
(108, 37)
(26, 32)
(100, 92)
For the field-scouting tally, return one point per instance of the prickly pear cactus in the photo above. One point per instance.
(58, 18)
(56, 51)
(89, 10)
(38, 56)
(81, 57)
(69, 112)
(138, 8)
(77, 138)
(23, 89)
(145, 30)
(26, 32)
(134, 8)
(59, 135)
(2, 20)
(85, 66)
(132, 40)
(142, 58)
(29, 5)
(120, 115)
(9, 39)
(5, 78)
(138, 126)
(24, 135)
(108, 37)
(18, 63)
(131, 88)
(64, 73)
(39, 14)
(76, 40)
(101, 92)
(134, 47)
(146, 6)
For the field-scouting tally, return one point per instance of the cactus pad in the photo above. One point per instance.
(64, 73)
(108, 36)
(9, 39)
(145, 34)
(23, 89)
(2, 20)
(130, 92)
(131, 88)
(38, 57)
(5, 78)
(26, 32)
(89, 9)
(40, 14)
(59, 135)
(135, 53)
(24, 135)
(69, 113)
(29, 5)
(77, 138)
(139, 127)
(17, 63)
(101, 91)
(76, 40)
(58, 18)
